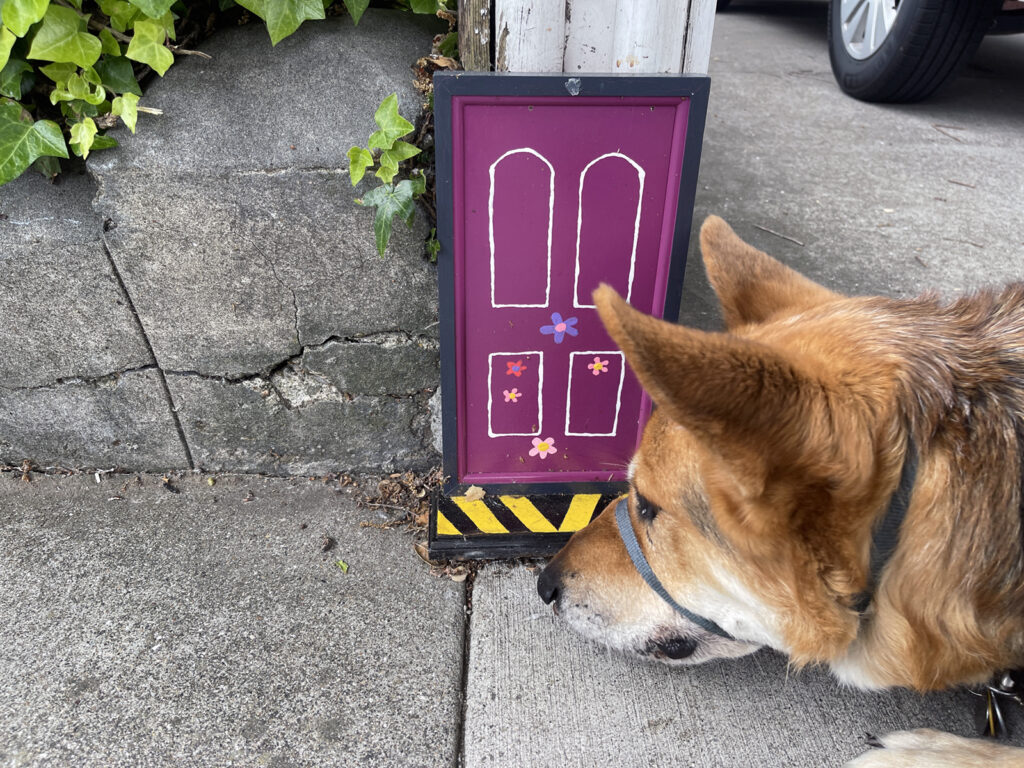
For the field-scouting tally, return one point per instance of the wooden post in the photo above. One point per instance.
(475, 34)
(602, 36)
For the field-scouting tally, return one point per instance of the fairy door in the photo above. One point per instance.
(552, 197)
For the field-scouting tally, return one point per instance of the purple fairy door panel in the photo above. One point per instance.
(552, 196)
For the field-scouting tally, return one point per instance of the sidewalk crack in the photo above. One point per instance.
(149, 346)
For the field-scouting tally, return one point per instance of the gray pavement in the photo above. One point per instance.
(144, 627)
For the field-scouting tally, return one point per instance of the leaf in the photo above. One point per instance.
(7, 39)
(103, 142)
(402, 150)
(153, 8)
(77, 88)
(11, 78)
(82, 135)
(449, 46)
(118, 75)
(424, 6)
(359, 160)
(356, 9)
(22, 141)
(284, 16)
(59, 73)
(19, 15)
(389, 202)
(147, 46)
(418, 183)
(126, 107)
(392, 125)
(433, 246)
(343, 565)
(47, 166)
(63, 38)
(122, 13)
(109, 43)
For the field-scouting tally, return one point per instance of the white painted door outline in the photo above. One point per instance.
(540, 392)
(579, 226)
(537, 354)
(551, 221)
(618, 395)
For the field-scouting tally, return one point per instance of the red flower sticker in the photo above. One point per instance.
(515, 368)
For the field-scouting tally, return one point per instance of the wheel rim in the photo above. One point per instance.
(865, 24)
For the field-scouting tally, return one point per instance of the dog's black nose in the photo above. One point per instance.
(678, 647)
(550, 582)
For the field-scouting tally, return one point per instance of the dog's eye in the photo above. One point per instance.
(645, 509)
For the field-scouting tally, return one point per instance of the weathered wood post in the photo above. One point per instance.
(586, 36)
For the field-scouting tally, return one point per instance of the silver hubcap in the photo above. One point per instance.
(866, 24)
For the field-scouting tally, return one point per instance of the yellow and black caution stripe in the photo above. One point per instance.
(512, 525)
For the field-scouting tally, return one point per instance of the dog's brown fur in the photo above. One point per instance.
(775, 448)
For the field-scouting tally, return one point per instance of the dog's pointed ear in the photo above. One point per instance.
(752, 286)
(744, 398)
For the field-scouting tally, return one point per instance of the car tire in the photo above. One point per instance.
(928, 41)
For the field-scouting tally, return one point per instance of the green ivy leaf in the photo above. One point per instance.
(401, 150)
(359, 160)
(103, 142)
(63, 38)
(118, 75)
(356, 8)
(126, 107)
(392, 125)
(77, 88)
(59, 73)
(419, 184)
(22, 141)
(82, 136)
(389, 202)
(284, 16)
(449, 46)
(168, 23)
(433, 246)
(7, 39)
(110, 45)
(48, 166)
(153, 8)
(19, 15)
(425, 6)
(147, 46)
(11, 78)
(122, 13)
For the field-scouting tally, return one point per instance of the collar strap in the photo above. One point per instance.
(887, 535)
(644, 569)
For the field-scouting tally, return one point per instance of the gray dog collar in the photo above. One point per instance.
(644, 569)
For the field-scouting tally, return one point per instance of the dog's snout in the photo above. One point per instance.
(550, 582)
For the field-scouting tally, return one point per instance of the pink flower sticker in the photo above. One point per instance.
(543, 447)
(599, 366)
(512, 396)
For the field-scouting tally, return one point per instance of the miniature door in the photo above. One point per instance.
(553, 195)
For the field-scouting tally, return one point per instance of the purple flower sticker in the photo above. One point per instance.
(560, 327)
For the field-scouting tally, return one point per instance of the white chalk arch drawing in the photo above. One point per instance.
(640, 174)
(551, 221)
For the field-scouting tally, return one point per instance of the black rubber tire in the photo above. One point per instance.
(929, 41)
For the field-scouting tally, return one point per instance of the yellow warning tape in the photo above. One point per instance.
(580, 513)
(444, 526)
(481, 516)
(528, 514)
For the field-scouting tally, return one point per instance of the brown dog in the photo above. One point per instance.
(772, 457)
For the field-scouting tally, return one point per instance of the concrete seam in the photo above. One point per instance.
(156, 363)
(459, 752)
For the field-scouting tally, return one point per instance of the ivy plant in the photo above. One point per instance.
(71, 69)
(386, 150)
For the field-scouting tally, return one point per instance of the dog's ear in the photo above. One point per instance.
(749, 402)
(752, 286)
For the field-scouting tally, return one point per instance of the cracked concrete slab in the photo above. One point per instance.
(576, 705)
(122, 420)
(298, 422)
(883, 198)
(206, 627)
(64, 313)
(231, 275)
